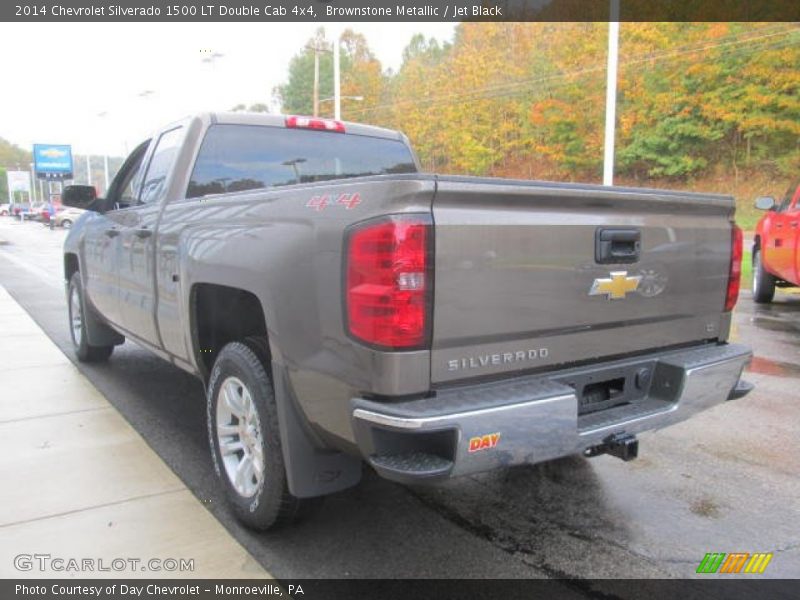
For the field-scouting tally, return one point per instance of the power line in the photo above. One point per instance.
(508, 89)
(489, 91)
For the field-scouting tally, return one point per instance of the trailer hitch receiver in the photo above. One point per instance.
(621, 445)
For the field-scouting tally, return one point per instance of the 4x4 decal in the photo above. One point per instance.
(348, 201)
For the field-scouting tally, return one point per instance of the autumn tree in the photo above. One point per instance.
(528, 99)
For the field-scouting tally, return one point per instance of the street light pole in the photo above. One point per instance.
(33, 183)
(611, 93)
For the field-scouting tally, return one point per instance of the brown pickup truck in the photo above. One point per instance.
(342, 307)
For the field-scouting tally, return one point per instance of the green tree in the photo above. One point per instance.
(3, 185)
(297, 94)
(12, 158)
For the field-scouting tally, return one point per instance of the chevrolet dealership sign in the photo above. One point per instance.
(52, 161)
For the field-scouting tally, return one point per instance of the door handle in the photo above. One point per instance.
(617, 245)
(793, 224)
(112, 233)
(143, 233)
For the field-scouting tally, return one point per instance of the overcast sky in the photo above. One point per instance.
(58, 77)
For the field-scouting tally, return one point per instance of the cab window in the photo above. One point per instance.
(124, 190)
(164, 156)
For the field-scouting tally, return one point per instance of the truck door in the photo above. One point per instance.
(102, 243)
(137, 292)
(781, 248)
(793, 216)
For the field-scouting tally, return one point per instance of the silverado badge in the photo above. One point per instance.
(615, 287)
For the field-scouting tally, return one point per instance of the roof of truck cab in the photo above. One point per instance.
(270, 120)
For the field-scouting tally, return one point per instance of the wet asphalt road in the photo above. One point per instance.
(726, 481)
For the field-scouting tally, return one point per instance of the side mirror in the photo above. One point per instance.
(79, 196)
(765, 203)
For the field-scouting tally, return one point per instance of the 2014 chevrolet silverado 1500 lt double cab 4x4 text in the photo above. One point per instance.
(343, 307)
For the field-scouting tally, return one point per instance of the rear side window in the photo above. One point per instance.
(234, 158)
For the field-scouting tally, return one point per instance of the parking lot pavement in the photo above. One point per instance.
(79, 483)
(725, 481)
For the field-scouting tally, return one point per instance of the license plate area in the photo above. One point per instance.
(601, 394)
(601, 389)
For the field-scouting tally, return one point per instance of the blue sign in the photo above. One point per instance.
(52, 161)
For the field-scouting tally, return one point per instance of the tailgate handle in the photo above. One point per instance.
(617, 245)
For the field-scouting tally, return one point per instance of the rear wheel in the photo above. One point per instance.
(66, 223)
(763, 280)
(245, 438)
(77, 325)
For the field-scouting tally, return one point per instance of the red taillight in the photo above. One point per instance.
(387, 282)
(735, 273)
(296, 122)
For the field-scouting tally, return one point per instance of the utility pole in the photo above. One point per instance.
(611, 92)
(317, 49)
(337, 99)
(88, 169)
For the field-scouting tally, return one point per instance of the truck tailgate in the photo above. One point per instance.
(516, 262)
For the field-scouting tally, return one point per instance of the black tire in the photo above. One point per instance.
(763, 280)
(77, 328)
(66, 223)
(264, 503)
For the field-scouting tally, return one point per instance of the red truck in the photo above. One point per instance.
(776, 247)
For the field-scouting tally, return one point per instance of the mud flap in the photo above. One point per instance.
(310, 470)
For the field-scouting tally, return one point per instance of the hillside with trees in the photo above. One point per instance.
(711, 106)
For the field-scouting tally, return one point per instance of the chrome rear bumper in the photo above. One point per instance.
(533, 419)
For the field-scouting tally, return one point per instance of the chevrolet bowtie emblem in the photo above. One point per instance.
(616, 287)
